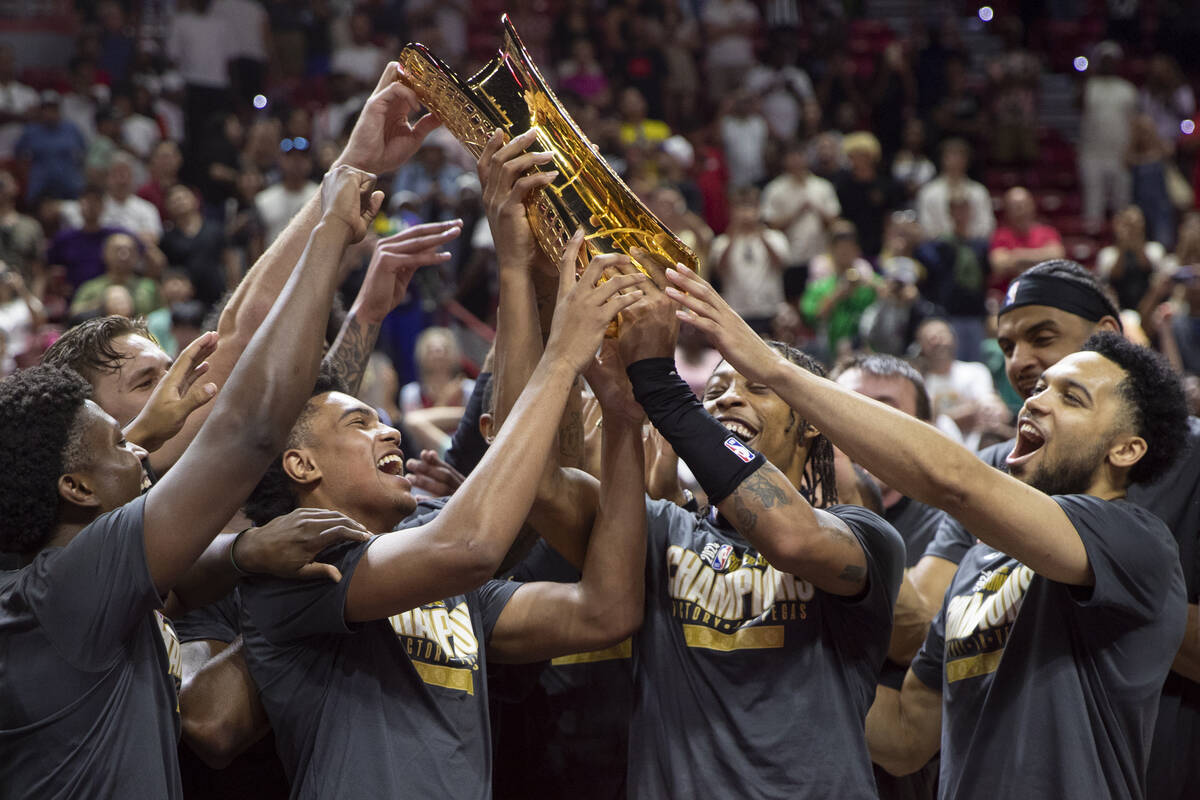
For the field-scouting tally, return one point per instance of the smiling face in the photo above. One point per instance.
(1035, 338)
(109, 466)
(1075, 422)
(758, 417)
(123, 392)
(347, 460)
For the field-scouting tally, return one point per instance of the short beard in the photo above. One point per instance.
(1068, 475)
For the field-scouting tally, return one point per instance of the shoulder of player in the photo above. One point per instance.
(874, 532)
(1127, 519)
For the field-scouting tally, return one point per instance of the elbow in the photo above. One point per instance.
(214, 740)
(897, 763)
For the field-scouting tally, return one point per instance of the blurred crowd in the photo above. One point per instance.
(849, 185)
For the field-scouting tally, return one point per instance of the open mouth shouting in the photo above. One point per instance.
(1030, 439)
(391, 464)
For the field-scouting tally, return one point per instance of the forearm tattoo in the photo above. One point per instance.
(350, 352)
(758, 492)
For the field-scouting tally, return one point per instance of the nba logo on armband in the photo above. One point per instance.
(740, 450)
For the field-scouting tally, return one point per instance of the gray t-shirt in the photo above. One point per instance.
(89, 671)
(388, 708)
(1050, 690)
(749, 682)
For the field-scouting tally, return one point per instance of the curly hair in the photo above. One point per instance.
(819, 482)
(275, 494)
(39, 441)
(1154, 397)
(1075, 272)
(88, 347)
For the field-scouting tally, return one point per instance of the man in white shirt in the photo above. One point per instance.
(248, 28)
(749, 258)
(123, 208)
(1109, 103)
(933, 200)
(801, 205)
(199, 44)
(279, 203)
(361, 59)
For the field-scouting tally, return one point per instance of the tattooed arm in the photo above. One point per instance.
(811, 544)
(351, 350)
(393, 263)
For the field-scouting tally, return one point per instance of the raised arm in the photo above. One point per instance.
(393, 264)
(909, 455)
(462, 547)
(544, 619)
(260, 402)
(565, 509)
(381, 141)
(754, 495)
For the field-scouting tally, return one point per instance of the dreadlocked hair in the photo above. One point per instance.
(818, 484)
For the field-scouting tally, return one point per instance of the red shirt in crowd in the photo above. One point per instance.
(1006, 238)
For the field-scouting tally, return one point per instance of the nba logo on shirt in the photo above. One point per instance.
(1012, 293)
(738, 449)
(721, 557)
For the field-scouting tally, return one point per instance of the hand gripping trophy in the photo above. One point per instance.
(509, 93)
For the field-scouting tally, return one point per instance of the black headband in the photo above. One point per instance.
(1064, 294)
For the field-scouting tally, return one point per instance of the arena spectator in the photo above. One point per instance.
(249, 30)
(22, 243)
(802, 205)
(17, 103)
(21, 315)
(1185, 326)
(53, 149)
(199, 247)
(911, 168)
(1130, 264)
(833, 304)
(200, 44)
(957, 272)
(1166, 97)
(163, 167)
(85, 97)
(1109, 103)
(749, 258)
(959, 112)
(933, 201)
(276, 205)
(120, 265)
(1022, 241)
(960, 390)
(865, 192)
(636, 128)
(439, 364)
(893, 98)
(80, 251)
(360, 58)
(784, 91)
(123, 208)
(1149, 162)
(729, 30)
(745, 136)
(583, 74)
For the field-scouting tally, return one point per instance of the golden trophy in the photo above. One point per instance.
(509, 93)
